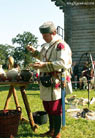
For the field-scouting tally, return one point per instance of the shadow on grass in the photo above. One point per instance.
(28, 135)
(33, 94)
(26, 131)
(4, 88)
(29, 87)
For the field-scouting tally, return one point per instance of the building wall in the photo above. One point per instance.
(80, 31)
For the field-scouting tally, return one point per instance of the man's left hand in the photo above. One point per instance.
(38, 65)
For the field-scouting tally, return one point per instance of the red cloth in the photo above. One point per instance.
(53, 107)
(37, 75)
(68, 79)
(60, 46)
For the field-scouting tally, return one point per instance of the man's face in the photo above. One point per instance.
(48, 37)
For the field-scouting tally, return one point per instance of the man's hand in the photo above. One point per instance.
(38, 65)
(30, 48)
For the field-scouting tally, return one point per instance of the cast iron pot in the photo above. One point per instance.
(40, 117)
(26, 75)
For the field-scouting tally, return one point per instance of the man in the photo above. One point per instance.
(85, 76)
(54, 56)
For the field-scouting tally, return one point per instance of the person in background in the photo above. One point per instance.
(54, 56)
(85, 73)
(75, 75)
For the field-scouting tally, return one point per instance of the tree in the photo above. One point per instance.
(21, 55)
(5, 51)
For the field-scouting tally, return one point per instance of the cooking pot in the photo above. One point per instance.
(40, 117)
(26, 75)
(12, 74)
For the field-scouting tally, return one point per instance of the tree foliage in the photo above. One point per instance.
(5, 51)
(21, 54)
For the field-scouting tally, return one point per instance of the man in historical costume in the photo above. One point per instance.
(54, 56)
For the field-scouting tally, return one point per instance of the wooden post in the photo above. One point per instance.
(15, 97)
(31, 120)
(8, 98)
(11, 90)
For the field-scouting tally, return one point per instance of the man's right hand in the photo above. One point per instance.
(30, 48)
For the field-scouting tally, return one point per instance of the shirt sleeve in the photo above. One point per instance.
(36, 54)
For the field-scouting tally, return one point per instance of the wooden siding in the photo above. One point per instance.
(80, 30)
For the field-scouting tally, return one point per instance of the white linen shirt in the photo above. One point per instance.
(56, 58)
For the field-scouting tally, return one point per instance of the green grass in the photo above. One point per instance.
(75, 128)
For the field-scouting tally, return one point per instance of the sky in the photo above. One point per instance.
(17, 16)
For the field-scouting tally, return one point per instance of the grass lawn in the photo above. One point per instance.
(75, 128)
